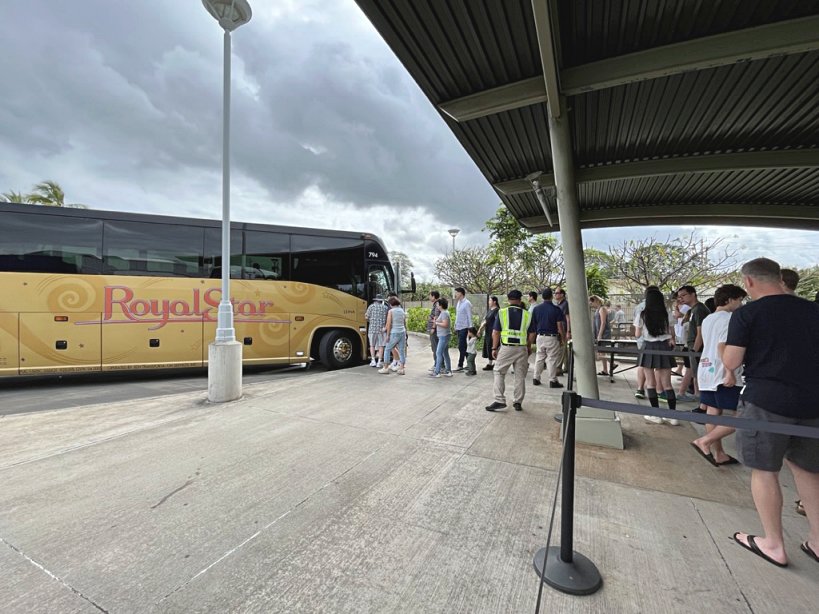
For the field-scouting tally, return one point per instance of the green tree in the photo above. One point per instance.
(474, 268)
(14, 197)
(526, 261)
(808, 282)
(603, 261)
(401, 259)
(597, 281)
(50, 194)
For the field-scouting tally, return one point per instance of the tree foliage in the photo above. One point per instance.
(474, 268)
(808, 284)
(400, 258)
(47, 193)
(673, 263)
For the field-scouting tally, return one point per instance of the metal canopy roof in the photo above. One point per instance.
(681, 111)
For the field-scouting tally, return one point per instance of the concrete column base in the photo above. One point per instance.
(224, 371)
(597, 430)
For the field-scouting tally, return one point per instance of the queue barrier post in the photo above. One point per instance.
(560, 566)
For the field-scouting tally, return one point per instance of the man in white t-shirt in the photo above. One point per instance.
(712, 377)
(680, 328)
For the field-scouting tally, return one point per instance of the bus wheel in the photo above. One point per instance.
(337, 349)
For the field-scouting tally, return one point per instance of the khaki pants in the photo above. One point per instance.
(564, 358)
(550, 351)
(509, 356)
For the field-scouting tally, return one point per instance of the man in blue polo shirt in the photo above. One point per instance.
(549, 331)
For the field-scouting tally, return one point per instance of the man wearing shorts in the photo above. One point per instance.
(777, 337)
(714, 394)
(376, 316)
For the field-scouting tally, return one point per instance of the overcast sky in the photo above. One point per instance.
(121, 103)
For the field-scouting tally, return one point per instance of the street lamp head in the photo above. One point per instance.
(229, 13)
(453, 232)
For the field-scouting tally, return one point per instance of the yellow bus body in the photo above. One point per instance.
(53, 323)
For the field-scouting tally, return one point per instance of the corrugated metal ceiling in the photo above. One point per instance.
(459, 48)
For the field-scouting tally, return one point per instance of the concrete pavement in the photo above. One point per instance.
(350, 491)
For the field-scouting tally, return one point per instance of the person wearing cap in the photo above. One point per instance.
(376, 316)
(511, 348)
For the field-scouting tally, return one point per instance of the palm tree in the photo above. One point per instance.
(14, 197)
(50, 194)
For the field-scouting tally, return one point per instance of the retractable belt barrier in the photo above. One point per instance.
(560, 566)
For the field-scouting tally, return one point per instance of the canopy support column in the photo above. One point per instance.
(593, 426)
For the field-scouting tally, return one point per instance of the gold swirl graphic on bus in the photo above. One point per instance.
(69, 294)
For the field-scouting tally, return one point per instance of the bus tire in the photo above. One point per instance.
(337, 349)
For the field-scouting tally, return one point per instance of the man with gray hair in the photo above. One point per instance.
(776, 336)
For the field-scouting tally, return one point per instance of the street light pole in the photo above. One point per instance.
(225, 353)
(225, 332)
(454, 233)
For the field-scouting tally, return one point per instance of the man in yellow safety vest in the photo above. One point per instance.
(511, 348)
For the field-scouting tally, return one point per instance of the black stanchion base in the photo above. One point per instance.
(580, 577)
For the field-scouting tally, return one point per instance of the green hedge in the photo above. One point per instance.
(417, 322)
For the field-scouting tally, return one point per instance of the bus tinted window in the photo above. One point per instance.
(50, 244)
(213, 254)
(329, 261)
(141, 248)
(267, 255)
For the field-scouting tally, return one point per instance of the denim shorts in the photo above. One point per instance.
(721, 398)
(765, 451)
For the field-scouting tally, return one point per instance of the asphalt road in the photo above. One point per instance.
(47, 393)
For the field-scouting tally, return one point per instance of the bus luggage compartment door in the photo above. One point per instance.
(59, 342)
(265, 340)
(151, 345)
(9, 344)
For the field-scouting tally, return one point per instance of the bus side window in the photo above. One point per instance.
(212, 261)
(145, 248)
(266, 255)
(53, 244)
(332, 262)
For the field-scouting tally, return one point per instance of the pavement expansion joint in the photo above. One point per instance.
(53, 576)
(272, 523)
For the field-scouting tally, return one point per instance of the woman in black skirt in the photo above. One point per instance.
(657, 334)
(488, 326)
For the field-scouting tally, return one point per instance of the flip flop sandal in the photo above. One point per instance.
(752, 547)
(731, 461)
(709, 457)
(800, 509)
(809, 551)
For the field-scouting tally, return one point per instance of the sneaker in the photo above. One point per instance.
(379, 364)
(671, 421)
(640, 394)
(653, 419)
(661, 397)
(517, 406)
(394, 366)
(687, 398)
(401, 371)
(431, 370)
(489, 368)
(555, 384)
(434, 374)
(536, 382)
(384, 370)
(457, 369)
(373, 362)
(448, 374)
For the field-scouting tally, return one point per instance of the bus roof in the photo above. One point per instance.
(168, 219)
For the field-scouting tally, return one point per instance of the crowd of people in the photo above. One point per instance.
(757, 359)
